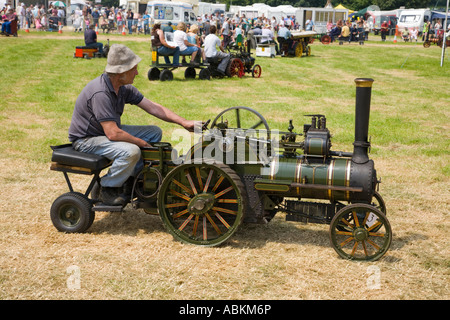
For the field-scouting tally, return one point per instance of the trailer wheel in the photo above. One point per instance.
(153, 74)
(72, 213)
(426, 44)
(190, 73)
(204, 74)
(166, 75)
(202, 204)
(360, 232)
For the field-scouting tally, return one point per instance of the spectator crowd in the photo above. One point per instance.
(126, 21)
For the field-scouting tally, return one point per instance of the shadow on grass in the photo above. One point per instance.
(132, 222)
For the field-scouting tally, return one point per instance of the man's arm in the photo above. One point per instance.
(114, 133)
(165, 114)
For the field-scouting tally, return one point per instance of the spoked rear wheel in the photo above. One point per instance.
(360, 232)
(235, 68)
(298, 49)
(202, 204)
(326, 39)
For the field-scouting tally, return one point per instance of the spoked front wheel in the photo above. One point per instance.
(202, 204)
(256, 71)
(360, 232)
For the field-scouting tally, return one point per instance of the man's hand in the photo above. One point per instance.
(165, 114)
(190, 125)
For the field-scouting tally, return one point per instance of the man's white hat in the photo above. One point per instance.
(121, 59)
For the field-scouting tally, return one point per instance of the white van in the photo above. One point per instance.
(174, 12)
(413, 18)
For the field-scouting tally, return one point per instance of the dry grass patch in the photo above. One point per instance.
(129, 255)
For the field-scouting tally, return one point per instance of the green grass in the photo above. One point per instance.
(409, 99)
(409, 103)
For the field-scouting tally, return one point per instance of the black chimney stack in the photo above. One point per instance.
(362, 112)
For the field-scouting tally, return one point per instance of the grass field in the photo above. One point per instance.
(129, 255)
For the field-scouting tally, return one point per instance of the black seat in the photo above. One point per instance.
(66, 155)
(213, 60)
(85, 47)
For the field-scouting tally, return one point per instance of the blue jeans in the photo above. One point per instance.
(97, 45)
(164, 51)
(188, 51)
(126, 157)
(130, 24)
(6, 27)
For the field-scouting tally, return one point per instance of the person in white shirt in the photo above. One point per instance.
(267, 37)
(211, 43)
(226, 34)
(437, 26)
(180, 38)
(413, 34)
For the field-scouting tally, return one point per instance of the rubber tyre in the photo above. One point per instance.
(190, 73)
(204, 74)
(166, 75)
(153, 74)
(72, 213)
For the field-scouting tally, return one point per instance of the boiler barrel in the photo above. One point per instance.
(293, 177)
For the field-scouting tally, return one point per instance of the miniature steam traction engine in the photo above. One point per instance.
(235, 175)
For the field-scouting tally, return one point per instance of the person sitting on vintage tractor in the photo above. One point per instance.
(96, 126)
(90, 39)
(211, 52)
(284, 39)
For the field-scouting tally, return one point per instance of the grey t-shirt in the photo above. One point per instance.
(98, 102)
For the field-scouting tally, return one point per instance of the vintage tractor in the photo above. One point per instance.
(241, 62)
(86, 52)
(298, 45)
(242, 172)
(438, 39)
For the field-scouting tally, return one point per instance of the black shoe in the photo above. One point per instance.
(111, 196)
(127, 189)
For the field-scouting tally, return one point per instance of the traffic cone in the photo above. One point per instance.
(27, 28)
(123, 32)
(395, 38)
(96, 29)
(59, 27)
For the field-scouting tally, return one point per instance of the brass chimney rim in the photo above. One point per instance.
(364, 82)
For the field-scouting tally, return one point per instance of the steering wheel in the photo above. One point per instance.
(242, 118)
